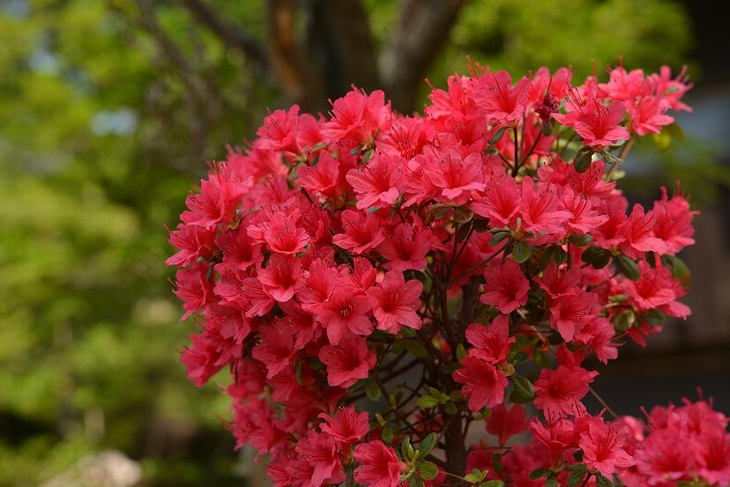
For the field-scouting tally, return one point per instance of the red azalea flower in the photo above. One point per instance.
(379, 182)
(193, 288)
(506, 286)
(362, 232)
(194, 241)
(379, 465)
(596, 122)
(281, 277)
(557, 435)
(281, 233)
(456, 177)
(506, 423)
(491, 342)
(395, 302)
(327, 178)
(217, 200)
(345, 312)
(322, 453)
(347, 426)
(357, 118)
(484, 384)
(558, 392)
(502, 103)
(540, 210)
(673, 222)
(500, 202)
(201, 358)
(569, 313)
(275, 349)
(406, 247)
(637, 233)
(602, 446)
(348, 361)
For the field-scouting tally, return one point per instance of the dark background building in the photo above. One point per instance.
(692, 357)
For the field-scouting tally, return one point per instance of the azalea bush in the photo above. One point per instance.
(418, 299)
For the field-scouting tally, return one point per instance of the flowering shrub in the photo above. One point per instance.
(415, 300)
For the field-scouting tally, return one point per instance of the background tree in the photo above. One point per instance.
(109, 111)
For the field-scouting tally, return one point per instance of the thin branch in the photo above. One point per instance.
(602, 402)
(231, 35)
(196, 88)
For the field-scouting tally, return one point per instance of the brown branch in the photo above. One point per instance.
(423, 28)
(287, 59)
(196, 88)
(231, 35)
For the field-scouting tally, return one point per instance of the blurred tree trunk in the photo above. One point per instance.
(334, 49)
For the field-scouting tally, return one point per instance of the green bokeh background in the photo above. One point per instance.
(102, 138)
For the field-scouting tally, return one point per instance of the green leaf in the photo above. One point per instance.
(539, 473)
(575, 478)
(427, 445)
(427, 402)
(463, 215)
(523, 391)
(405, 447)
(583, 159)
(628, 267)
(542, 359)
(415, 347)
(602, 481)
(416, 482)
(475, 476)
(654, 317)
(560, 256)
(492, 483)
(610, 159)
(428, 470)
(497, 462)
(372, 390)
(439, 210)
(546, 256)
(498, 237)
(498, 134)
(680, 271)
(625, 320)
(521, 252)
(596, 256)
(519, 358)
(580, 240)
(460, 351)
(387, 435)
(450, 408)
(392, 401)
(552, 480)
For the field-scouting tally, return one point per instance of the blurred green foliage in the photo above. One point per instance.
(101, 138)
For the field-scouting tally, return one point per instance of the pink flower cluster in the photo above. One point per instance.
(378, 284)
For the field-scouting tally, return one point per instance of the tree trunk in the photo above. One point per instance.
(423, 29)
